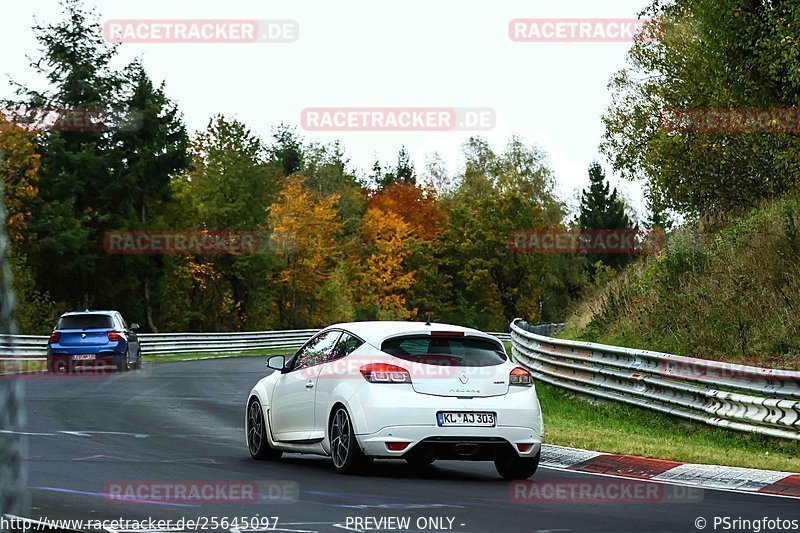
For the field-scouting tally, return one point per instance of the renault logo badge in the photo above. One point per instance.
(463, 378)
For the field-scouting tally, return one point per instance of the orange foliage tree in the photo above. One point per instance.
(383, 279)
(416, 206)
(304, 227)
(19, 164)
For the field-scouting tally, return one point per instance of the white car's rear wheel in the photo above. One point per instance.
(257, 429)
(515, 467)
(345, 451)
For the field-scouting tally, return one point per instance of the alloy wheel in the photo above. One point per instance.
(340, 438)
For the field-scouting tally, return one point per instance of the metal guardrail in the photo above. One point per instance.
(744, 398)
(35, 346)
(178, 343)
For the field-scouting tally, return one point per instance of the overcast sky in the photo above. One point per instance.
(414, 53)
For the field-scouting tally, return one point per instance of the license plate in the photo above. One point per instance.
(446, 418)
(84, 357)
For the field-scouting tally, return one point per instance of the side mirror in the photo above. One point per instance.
(134, 327)
(276, 362)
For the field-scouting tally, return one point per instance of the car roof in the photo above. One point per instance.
(375, 332)
(89, 312)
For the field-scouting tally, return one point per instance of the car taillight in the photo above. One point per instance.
(114, 336)
(520, 377)
(383, 373)
(54, 337)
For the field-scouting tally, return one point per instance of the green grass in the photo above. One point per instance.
(618, 428)
(196, 356)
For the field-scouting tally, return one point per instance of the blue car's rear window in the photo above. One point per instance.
(85, 322)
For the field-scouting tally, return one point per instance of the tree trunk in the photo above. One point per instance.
(148, 308)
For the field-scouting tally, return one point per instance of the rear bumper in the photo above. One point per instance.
(62, 362)
(389, 414)
(472, 443)
(375, 409)
(106, 350)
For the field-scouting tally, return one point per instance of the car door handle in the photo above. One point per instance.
(310, 385)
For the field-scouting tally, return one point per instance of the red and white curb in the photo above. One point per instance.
(702, 476)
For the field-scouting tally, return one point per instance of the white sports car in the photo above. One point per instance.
(398, 390)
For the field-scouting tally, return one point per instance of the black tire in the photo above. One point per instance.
(514, 467)
(124, 363)
(138, 364)
(256, 429)
(347, 456)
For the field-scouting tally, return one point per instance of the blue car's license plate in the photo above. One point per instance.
(84, 357)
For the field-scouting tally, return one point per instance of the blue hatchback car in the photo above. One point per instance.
(93, 338)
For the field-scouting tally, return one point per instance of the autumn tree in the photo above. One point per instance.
(304, 228)
(383, 278)
(416, 206)
(19, 164)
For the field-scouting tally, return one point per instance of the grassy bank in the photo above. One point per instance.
(731, 293)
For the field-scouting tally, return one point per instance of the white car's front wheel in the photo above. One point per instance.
(345, 451)
(257, 429)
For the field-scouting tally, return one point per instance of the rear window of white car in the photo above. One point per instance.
(85, 322)
(445, 351)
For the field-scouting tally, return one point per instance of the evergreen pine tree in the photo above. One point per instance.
(602, 209)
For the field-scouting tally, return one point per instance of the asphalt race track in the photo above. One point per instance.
(183, 421)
